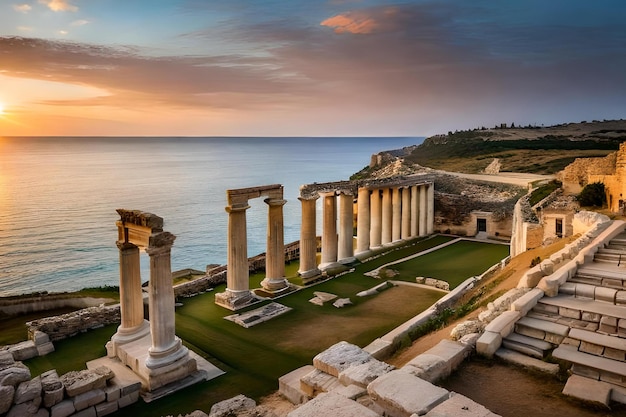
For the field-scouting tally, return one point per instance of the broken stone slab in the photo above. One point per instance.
(504, 323)
(324, 296)
(586, 389)
(362, 374)
(232, 406)
(318, 381)
(78, 382)
(24, 350)
(340, 356)
(488, 344)
(342, 302)
(527, 361)
(7, 392)
(402, 394)
(460, 405)
(428, 367)
(289, 385)
(332, 404)
(317, 301)
(28, 391)
(527, 301)
(453, 353)
(351, 391)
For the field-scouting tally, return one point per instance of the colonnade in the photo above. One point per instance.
(151, 349)
(237, 293)
(386, 214)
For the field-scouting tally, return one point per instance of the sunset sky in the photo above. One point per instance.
(306, 68)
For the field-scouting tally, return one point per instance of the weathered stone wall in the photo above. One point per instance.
(24, 305)
(576, 175)
(70, 324)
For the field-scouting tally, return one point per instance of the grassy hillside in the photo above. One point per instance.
(544, 150)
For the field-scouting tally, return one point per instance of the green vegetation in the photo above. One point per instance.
(593, 195)
(543, 191)
(254, 358)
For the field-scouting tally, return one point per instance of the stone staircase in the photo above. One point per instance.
(583, 327)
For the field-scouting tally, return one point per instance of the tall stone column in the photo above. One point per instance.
(430, 214)
(386, 217)
(363, 220)
(396, 216)
(422, 211)
(414, 211)
(275, 255)
(405, 231)
(376, 219)
(345, 250)
(329, 230)
(308, 239)
(237, 292)
(166, 347)
(133, 326)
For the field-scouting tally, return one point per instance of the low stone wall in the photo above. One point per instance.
(71, 324)
(14, 306)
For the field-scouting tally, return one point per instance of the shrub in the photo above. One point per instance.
(592, 195)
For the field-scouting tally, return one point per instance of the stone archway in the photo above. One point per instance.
(238, 294)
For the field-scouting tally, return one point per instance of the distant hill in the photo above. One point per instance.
(540, 150)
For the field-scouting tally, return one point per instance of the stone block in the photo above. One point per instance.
(7, 393)
(40, 337)
(430, 368)
(402, 394)
(24, 350)
(87, 412)
(364, 373)
(459, 405)
(605, 294)
(618, 284)
(488, 343)
(527, 301)
(63, 409)
(340, 356)
(332, 404)
(15, 374)
(469, 340)
(592, 317)
(549, 285)
(78, 382)
(28, 409)
(454, 353)
(28, 391)
(547, 267)
(106, 408)
(504, 323)
(112, 392)
(585, 371)
(44, 349)
(613, 378)
(289, 385)
(232, 406)
(532, 277)
(591, 348)
(620, 298)
(89, 398)
(351, 391)
(616, 354)
(318, 381)
(128, 399)
(569, 313)
(588, 390)
(553, 338)
(380, 348)
(608, 325)
(569, 288)
(6, 359)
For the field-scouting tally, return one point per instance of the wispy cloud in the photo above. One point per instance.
(81, 22)
(362, 22)
(59, 5)
(22, 8)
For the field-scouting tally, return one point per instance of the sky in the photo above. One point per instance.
(305, 67)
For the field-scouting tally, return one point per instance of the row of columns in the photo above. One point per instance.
(384, 216)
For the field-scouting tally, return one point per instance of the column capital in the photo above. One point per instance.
(236, 208)
(274, 201)
(125, 245)
(160, 242)
(309, 198)
(327, 193)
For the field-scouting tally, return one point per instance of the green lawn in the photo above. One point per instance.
(254, 358)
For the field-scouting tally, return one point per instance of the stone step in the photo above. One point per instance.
(588, 390)
(318, 381)
(592, 366)
(605, 254)
(526, 361)
(584, 305)
(603, 273)
(537, 348)
(612, 248)
(600, 344)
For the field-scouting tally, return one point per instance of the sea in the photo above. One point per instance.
(59, 195)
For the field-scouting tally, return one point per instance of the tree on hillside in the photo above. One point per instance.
(592, 195)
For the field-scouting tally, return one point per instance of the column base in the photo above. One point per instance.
(127, 335)
(164, 357)
(272, 285)
(347, 261)
(311, 273)
(234, 300)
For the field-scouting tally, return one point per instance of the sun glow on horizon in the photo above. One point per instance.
(2, 109)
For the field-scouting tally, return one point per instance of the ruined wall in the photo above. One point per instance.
(576, 175)
(70, 324)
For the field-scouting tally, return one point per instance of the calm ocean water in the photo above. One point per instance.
(58, 198)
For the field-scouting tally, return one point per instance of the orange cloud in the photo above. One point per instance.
(351, 24)
(59, 5)
(22, 8)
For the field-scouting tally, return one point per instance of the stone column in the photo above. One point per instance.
(329, 229)
(133, 326)
(275, 254)
(166, 347)
(405, 231)
(376, 219)
(430, 214)
(308, 239)
(363, 220)
(345, 250)
(237, 292)
(386, 217)
(422, 211)
(414, 211)
(396, 216)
